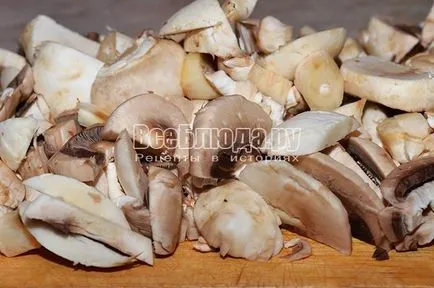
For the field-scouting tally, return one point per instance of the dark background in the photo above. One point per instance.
(132, 16)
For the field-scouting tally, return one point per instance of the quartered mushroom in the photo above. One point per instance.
(237, 68)
(307, 133)
(408, 189)
(351, 50)
(193, 81)
(12, 190)
(16, 134)
(66, 127)
(286, 59)
(43, 28)
(154, 66)
(15, 239)
(36, 107)
(372, 156)
(373, 115)
(361, 202)
(388, 42)
(318, 79)
(35, 163)
(165, 206)
(237, 10)
(236, 220)
(80, 157)
(308, 205)
(423, 62)
(10, 65)
(157, 126)
(354, 109)
(90, 115)
(403, 134)
(64, 76)
(428, 29)
(226, 127)
(393, 85)
(246, 37)
(271, 34)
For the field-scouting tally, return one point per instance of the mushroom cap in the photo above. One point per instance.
(155, 66)
(165, 205)
(64, 76)
(232, 116)
(143, 114)
(237, 220)
(388, 83)
(315, 211)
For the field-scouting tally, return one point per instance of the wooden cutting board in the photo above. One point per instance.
(187, 268)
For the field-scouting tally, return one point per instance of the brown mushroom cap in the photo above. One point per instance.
(78, 158)
(144, 116)
(165, 205)
(310, 206)
(239, 118)
(361, 202)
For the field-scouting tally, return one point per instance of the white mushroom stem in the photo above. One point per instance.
(372, 117)
(272, 34)
(237, 68)
(226, 86)
(64, 76)
(43, 28)
(14, 238)
(69, 218)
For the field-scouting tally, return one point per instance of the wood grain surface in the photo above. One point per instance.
(188, 268)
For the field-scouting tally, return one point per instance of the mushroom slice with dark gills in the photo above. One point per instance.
(80, 158)
(408, 189)
(235, 219)
(165, 205)
(361, 202)
(226, 127)
(372, 156)
(310, 207)
(158, 127)
(424, 235)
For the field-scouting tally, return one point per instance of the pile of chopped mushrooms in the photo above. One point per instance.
(343, 144)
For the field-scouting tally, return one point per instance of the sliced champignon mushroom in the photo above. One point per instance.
(10, 64)
(165, 206)
(227, 126)
(375, 158)
(301, 249)
(403, 134)
(188, 230)
(90, 115)
(154, 66)
(354, 109)
(115, 192)
(338, 153)
(198, 14)
(14, 238)
(307, 133)
(155, 124)
(270, 83)
(227, 87)
(102, 184)
(129, 170)
(79, 158)
(408, 189)
(139, 218)
(318, 79)
(286, 59)
(43, 28)
(424, 235)
(373, 115)
(66, 127)
(78, 194)
(12, 190)
(35, 163)
(236, 10)
(295, 104)
(113, 46)
(310, 206)
(71, 219)
(36, 107)
(422, 62)
(235, 219)
(193, 81)
(64, 76)
(16, 134)
(237, 68)
(351, 50)
(388, 42)
(428, 29)
(388, 83)
(246, 38)
(361, 202)
(272, 34)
